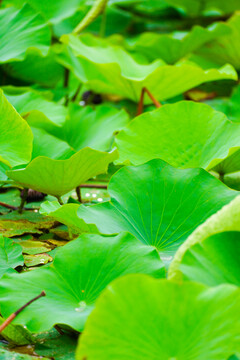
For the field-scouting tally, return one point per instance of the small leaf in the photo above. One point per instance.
(10, 255)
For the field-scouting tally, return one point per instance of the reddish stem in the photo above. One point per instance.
(140, 104)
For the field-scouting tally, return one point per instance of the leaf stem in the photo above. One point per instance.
(8, 206)
(59, 200)
(23, 200)
(12, 316)
(141, 101)
(93, 186)
(78, 192)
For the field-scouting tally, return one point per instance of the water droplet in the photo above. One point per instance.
(94, 195)
(87, 194)
(82, 306)
(99, 199)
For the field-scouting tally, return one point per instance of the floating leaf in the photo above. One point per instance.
(16, 334)
(110, 69)
(79, 273)
(226, 219)
(13, 224)
(10, 355)
(15, 135)
(38, 259)
(165, 320)
(20, 30)
(185, 134)
(57, 177)
(158, 204)
(10, 255)
(213, 261)
(33, 247)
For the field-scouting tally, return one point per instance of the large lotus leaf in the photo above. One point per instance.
(94, 128)
(109, 69)
(20, 30)
(25, 100)
(213, 261)
(172, 47)
(35, 68)
(57, 177)
(225, 49)
(15, 135)
(10, 256)
(198, 7)
(67, 214)
(45, 144)
(185, 134)
(226, 219)
(158, 204)
(54, 11)
(79, 273)
(230, 164)
(140, 318)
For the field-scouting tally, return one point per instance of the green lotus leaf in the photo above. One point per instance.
(226, 219)
(67, 214)
(26, 100)
(10, 255)
(20, 30)
(53, 11)
(198, 7)
(94, 128)
(158, 204)
(185, 134)
(213, 261)
(79, 273)
(35, 68)
(15, 135)
(165, 320)
(45, 144)
(225, 49)
(57, 177)
(109, 69)
(172, 47)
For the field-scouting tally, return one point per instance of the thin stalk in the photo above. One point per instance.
(8, 206)
(59, 200)
(78, 192)
(23, 200)
(103, 24)
(93, 186)
(141, 101)
(12, 316)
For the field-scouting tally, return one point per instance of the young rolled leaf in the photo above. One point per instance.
(158, 204)
(57, 177)
(15, 135)
(20, 30)
(226, 219)
(109, 69)
(165, 320)
(10, 255)
(185, 134)
(213, 261)
(79, 273)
